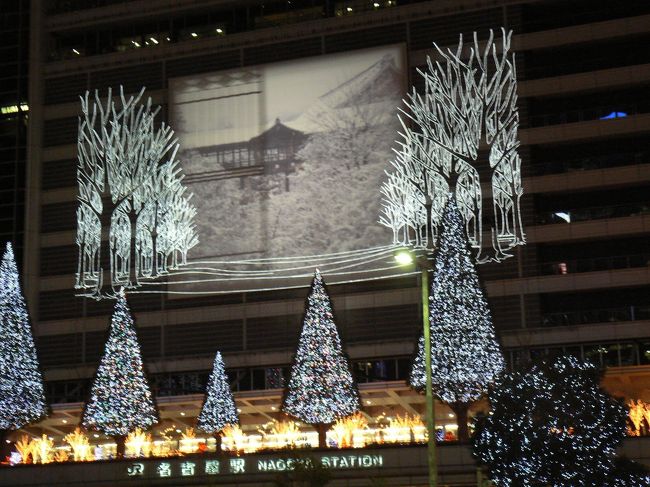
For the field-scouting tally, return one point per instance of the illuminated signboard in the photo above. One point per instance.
(191, 468)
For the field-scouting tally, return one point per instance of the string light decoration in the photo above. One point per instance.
(553, 425)
(219, 409)
(128, 173)
(120, 398)
(465, 355)
(22, 398)
(469, 101)
(321, 388)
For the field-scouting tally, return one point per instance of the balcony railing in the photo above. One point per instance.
(573, 215)
(591, 163)
(593, 264)
(601, 315)
(604, 113)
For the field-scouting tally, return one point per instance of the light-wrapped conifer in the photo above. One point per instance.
(465, 355)
(22, 399)
(321, 388)
(219, 408)
(120, 398)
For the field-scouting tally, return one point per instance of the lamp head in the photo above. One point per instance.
(404, 257)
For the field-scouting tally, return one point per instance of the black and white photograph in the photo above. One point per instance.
(286, 159)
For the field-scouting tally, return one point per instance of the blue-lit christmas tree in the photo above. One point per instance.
(120, 398)
(552, 425)
(219, 408)
(22, 399)
(321, 388)
(465, 355)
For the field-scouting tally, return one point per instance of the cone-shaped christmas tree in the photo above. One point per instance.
(21, 385)
(465, 355)
(219, 408)
(321, 388)
(120, 399)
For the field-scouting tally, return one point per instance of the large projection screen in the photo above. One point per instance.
(287, 159)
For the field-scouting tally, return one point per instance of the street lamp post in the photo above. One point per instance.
(423, 264)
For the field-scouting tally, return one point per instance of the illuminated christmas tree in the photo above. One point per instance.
(553, 425)
(321, 388)
(22, 400)
(120, 399)
(219, 408)
(465, 356)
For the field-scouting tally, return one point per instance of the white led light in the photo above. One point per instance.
(404, 257)
(465, 355)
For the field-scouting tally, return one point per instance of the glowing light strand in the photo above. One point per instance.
(469, 99)
(22, 399)
(120, 398)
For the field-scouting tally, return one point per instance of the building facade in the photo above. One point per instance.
(581, 285)
(14, 109)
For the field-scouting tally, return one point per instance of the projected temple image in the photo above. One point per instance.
(285, 159)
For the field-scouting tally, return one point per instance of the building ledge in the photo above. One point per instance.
(562, 335)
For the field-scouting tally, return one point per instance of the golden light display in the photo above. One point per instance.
(639, 415)
(138, 444)
(42, 450)
(81, 449)
(355, 431)
(350, 431)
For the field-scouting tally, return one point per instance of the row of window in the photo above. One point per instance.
(565, 163)
(214, 23)
(603, 315)
(593, 264)
(613, 354)
(391, 369)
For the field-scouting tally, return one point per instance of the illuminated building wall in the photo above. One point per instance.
(580, 285)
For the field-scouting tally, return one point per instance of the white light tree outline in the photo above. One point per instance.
(469, 107)
(132, 202)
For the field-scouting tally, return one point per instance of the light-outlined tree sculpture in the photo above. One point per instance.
(321, 388)
(135, 218)
(219, 408)
(459, 136)
(465, 355)
(22, 398)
